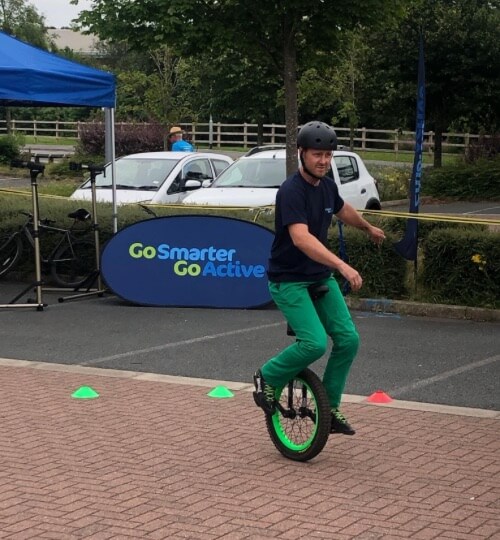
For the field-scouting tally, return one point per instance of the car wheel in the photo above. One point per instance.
(373, 204)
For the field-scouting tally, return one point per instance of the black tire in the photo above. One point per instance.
(11, 248)
(301, 424)
(373, 204)
(72, 264)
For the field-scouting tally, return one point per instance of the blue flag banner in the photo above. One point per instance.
(407, 247)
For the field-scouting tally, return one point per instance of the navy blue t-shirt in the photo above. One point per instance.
(297, 201)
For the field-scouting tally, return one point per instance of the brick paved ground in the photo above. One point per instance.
(153, 459)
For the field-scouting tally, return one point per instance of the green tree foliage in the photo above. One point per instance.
(333, 90)
(21, 19)
(287, 33)
(462, 48)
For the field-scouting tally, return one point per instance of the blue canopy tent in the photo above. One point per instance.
(32, 77)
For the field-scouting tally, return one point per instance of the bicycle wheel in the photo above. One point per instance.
(11, 247)
(73, 263)
(300, 426)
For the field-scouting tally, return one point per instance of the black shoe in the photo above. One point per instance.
(265, 394)
(340, 424)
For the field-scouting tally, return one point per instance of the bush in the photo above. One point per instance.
(486, 147)
(462, 267)
(393, 182)
(382, 269)
(10, 148)
(480, 180)
(129, 138)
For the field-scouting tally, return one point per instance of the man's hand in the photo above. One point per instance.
(353, 277)
(376, 235)
(352, 217)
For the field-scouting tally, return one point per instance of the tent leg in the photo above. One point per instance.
(110, 158)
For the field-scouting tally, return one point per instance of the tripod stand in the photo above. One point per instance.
(95, 275)
(35, 169)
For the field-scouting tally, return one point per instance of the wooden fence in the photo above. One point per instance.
(220, 135)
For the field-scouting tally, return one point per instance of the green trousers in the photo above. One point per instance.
(312, 324)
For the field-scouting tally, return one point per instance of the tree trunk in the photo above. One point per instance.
(291, 107)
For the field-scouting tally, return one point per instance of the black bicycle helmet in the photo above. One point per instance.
(317, 135)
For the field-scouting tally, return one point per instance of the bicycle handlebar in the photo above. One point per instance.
(79, 215)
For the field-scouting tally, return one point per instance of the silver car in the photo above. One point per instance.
(254, 179)
(155, 177)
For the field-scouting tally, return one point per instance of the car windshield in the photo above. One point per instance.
(260, 173)
(136, 173)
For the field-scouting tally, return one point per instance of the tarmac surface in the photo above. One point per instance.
(154, 456)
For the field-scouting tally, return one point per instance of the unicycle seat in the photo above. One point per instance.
(316, 291)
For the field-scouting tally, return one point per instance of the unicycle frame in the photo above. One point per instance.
(301, 422)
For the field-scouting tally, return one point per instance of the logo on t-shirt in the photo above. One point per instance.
(329, 210)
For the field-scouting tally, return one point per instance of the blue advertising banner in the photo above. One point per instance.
(190, 261)
(407, 247)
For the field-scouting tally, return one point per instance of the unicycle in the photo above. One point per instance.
(300, 424)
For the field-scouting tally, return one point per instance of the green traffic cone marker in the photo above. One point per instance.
(220, 392)
(85, 392)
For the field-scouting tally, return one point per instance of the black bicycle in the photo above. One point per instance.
(301, 422)
(68, 260)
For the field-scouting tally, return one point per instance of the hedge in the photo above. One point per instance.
(468, 182)
(458, 264)
(462, 267)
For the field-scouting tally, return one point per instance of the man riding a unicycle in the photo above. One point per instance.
(305, 205)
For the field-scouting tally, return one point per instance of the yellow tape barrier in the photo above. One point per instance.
(452, 218)
(28, 194)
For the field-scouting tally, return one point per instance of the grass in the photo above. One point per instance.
(403, 157)
(55, 141)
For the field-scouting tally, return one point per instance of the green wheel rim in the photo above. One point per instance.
(279, 423)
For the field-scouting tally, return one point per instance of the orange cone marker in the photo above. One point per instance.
(379, 397)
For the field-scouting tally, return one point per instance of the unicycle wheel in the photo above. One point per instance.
(300, 426)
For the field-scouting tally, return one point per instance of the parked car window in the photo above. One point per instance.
(219, 166)
(176, 184)
(198, 169)
(347, 168)
(136, 173)
(253, 173)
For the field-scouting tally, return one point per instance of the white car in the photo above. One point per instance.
(155, 177)
(254, 179)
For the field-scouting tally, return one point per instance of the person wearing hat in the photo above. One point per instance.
(178, 144)
(305, 205)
